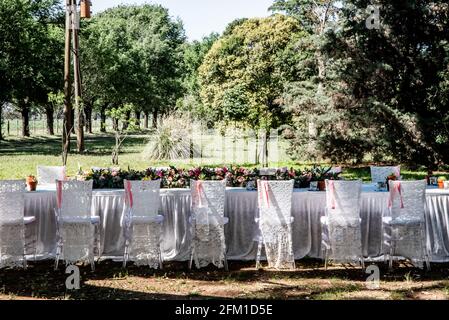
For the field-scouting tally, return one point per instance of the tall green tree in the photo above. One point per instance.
(29, 52)
(306, 97)
(194, 54)
(246, 65)
(133, 55)
(390, 87)
(243, 75)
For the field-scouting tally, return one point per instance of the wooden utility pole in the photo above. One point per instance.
(67, 116)
(72, 39)
(77, 85)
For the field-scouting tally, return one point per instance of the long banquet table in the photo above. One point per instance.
(241, 208)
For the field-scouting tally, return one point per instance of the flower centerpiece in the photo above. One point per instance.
(176, 178)
(31, 182)
(441, 181)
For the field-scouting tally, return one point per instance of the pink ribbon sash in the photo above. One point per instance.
(332, 193)
(396, 190)
(59, 193)
(199, 192)
(129, 193)
(263, 194)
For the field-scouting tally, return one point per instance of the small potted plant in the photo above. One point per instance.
(31, 183)
(321, 174)
(391, 177)
(441, 181)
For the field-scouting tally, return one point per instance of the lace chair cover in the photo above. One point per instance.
(143, 201)
(407, 226)
(207, 222)
(48, 175)
(12, 227)
(342, 235)
(380, 174)
(76, 233)
(275, 203)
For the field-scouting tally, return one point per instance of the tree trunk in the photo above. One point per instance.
(145, 122)
(25, 112)
(72, 119)
(155, 119)
(50, 119)
(80, 133)
(103, 119)
(138, 119)
(126, 122)
(115, 124)
(88, 117)
(264, 151)
(1, 121)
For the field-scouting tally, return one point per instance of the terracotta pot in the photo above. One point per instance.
(440, 184)
(31, 185)
(322, 185)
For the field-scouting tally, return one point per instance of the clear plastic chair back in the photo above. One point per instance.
(343, 238)
(48, 175)
(75, 230)
(380, 174)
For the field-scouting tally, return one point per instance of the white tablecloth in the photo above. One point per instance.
(241, 208)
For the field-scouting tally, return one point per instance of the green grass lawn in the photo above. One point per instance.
(20, 156)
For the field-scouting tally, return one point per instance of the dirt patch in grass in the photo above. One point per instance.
(309, 281)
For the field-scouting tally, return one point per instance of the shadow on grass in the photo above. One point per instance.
(40, 281)
(96, 144)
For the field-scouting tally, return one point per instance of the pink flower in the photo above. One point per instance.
(114, 173)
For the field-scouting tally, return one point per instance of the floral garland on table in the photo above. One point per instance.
(180, 178)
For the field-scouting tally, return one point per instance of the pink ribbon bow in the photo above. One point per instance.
(396, 190)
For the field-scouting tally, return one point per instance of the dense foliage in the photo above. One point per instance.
(384, 91)
(31, 54)
(338, 90)
(133, 55)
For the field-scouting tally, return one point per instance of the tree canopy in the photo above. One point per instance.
(133, 55)
(243, 75)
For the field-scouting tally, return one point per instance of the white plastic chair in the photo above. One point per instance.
(143, 224)
(77, 231)
(380, 174)
(12, 224)
(405, 230)
(46, 176)
(274, 221)
(335, 170)
(341, 226)
(207, 222)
